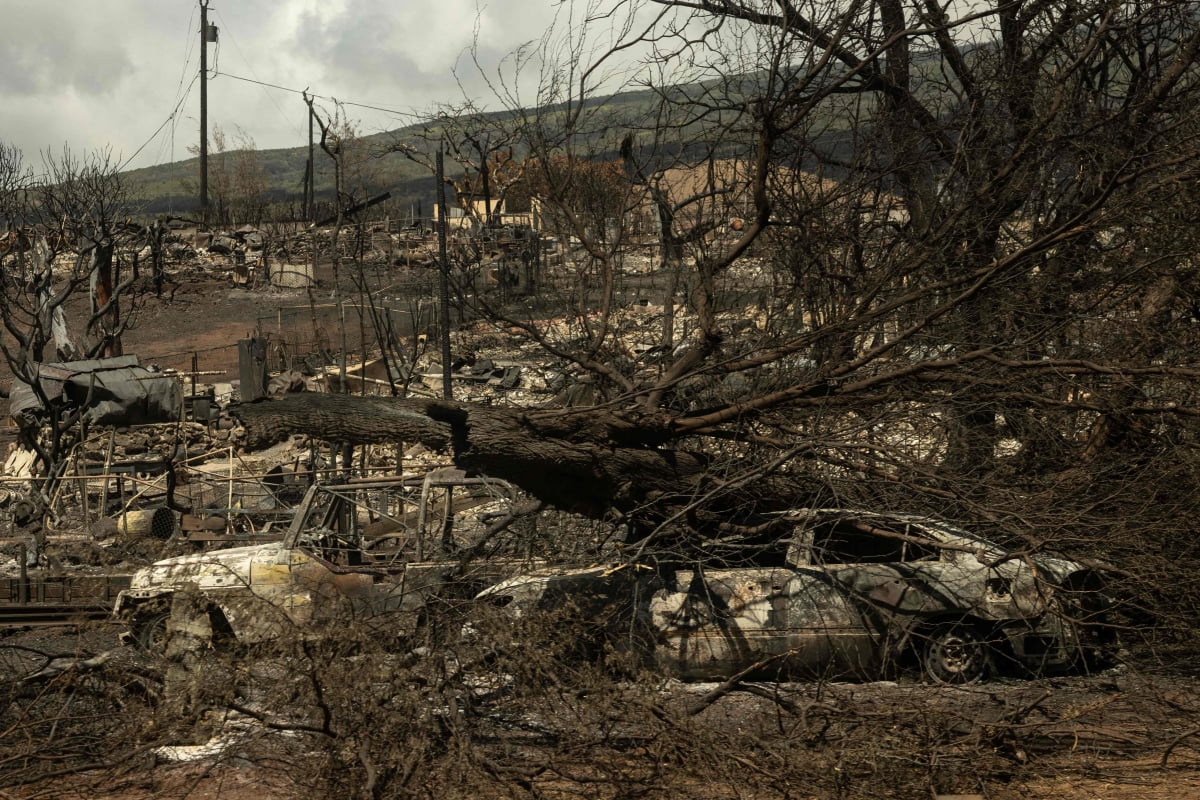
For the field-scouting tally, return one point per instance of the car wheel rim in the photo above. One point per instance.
(956, 657)
(152, 634)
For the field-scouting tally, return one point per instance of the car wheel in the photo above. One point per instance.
(956, 654)
(1096, 637)
(150, 632)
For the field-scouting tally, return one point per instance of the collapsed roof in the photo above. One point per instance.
(112, 391)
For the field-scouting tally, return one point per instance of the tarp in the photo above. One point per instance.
(114, 391)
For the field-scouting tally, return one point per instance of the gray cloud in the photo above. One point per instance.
(47, 57)
(109, 74)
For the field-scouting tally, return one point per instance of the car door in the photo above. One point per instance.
(778, 621)
(828, 632)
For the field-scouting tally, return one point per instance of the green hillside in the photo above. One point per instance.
(374, 167)
(173, 188)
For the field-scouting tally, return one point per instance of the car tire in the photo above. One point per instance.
(150, 632)
(1098, 644)
(955, 654)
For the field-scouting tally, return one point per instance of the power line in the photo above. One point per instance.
(170, 117)
(186, 93)
(190, 43)
(181, 95)
(323, 97)
(246, 61)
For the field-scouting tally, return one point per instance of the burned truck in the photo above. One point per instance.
(356, 550)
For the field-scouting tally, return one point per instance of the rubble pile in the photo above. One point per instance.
(491, 364)
(174, 441)
(372, 245)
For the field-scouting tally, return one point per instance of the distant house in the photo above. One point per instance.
(505, 202)
(472, 210)
(690, 196)
(686, 203)
(456, 216)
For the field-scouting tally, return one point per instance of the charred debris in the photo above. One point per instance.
(154, 464)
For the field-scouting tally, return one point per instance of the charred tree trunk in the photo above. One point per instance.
(591, 461)
(106, 313)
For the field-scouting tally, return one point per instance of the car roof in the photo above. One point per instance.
(938, 528)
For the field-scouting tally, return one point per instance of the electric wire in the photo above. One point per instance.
(214, 71)
(323, 97)
(189, 45)
(174, 112)
(181, 96)
(290, 120)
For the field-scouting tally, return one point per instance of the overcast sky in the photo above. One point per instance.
(97, 73)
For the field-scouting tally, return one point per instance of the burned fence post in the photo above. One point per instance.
(252, 369)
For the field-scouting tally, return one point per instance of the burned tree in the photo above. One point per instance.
(72, 270)
(962, 284)
(84, 206)
(237, 179)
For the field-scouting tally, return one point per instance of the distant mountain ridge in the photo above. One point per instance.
(173, 188)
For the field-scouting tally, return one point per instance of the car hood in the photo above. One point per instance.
(535, 582)
(1056, 569)
(188, 569)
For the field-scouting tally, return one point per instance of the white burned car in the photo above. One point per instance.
(839, 593)
(354, 550)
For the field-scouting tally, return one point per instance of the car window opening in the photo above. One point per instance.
(856, 542)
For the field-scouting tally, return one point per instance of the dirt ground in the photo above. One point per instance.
(1101, 737)
(203, 313)
(195, 326)
(248, 782)
(205, 316)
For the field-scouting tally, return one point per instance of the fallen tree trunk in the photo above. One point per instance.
(589, 461)
(340, 418)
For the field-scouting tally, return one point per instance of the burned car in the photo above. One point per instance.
(354, 550)
(838, 593)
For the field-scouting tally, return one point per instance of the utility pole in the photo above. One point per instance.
(208, 33)
(444, 286)
(309, 179)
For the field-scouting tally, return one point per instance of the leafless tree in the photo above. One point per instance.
(237, 180)
(963, 284)
(70, 266)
